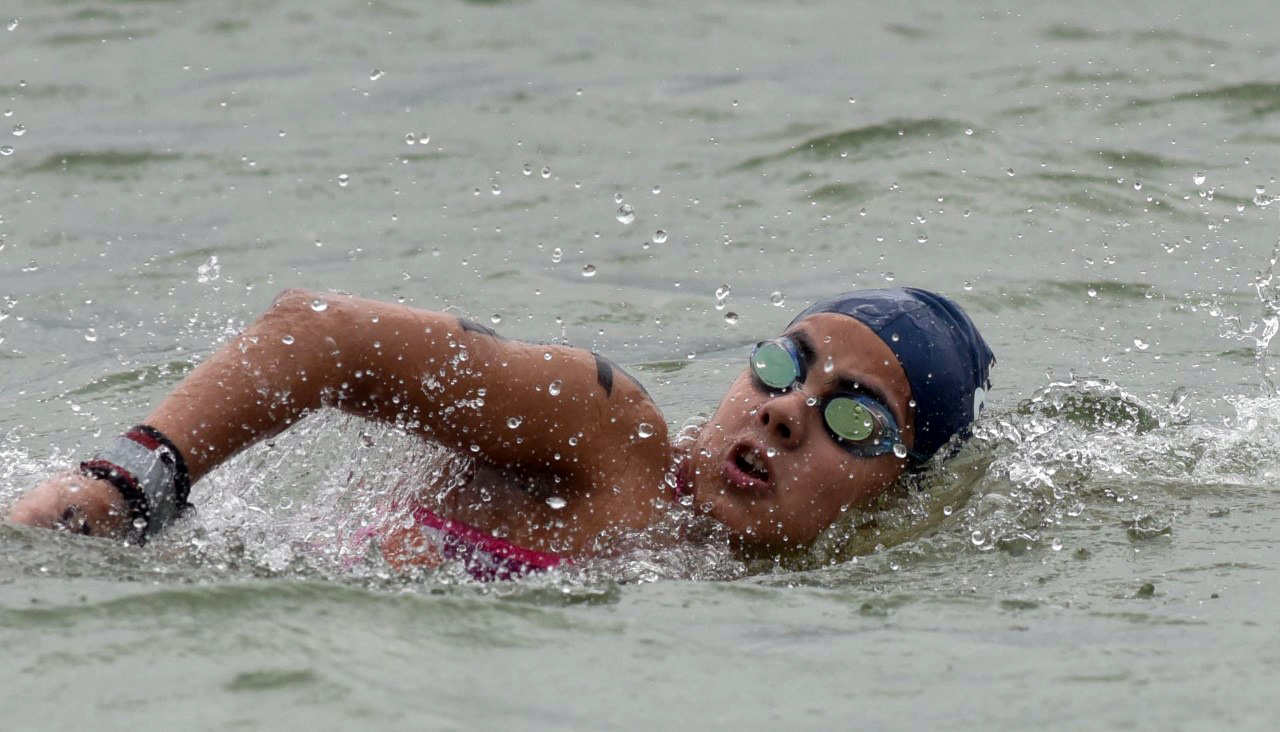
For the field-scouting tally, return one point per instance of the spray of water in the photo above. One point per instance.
(1259, 332)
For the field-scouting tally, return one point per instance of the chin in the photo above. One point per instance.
(751, 539)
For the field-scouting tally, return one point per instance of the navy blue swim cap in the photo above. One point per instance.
(946, 361)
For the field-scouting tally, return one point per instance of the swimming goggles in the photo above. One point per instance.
(859, 423)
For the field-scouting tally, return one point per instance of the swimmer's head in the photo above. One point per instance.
(945, 358)
(830, 414)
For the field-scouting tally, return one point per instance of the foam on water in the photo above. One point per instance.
(1076, 456)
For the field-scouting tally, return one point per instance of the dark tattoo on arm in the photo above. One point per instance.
(604, 375)
(604, 367)
(470, 326)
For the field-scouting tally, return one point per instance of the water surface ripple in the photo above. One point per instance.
(1093, 181)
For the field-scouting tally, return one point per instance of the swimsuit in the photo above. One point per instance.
(432, 540)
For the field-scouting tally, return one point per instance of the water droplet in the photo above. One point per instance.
(1056, 545)
(556, 502)
(828, 366)
(722, 292)
(1137, 185)
(922, 238)
(19, 130)
(282, 133)
(556, 255)
(777, 298)
(589, 270)
(319, 305)
(287, 340)
(659, 236)
(546, 172)
(496, 189)
(343, 179)
(900, 450)
(12, 25)
(376, 74)
(1091, 292)
(410, 139)
(626, 214)
(495, 318)
(946, 510)
(6, 150)
(645, 430)
(1009, 172)
(978, 538)
(888, 277)
(1198, 178)
(968, 130)
(657, 190)
(554, 388)
(895, 337)
(209, 271)
(731, 318)
(91, 335)
(1140, 344)
(514, 422)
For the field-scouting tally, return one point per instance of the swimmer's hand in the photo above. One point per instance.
(74, 502)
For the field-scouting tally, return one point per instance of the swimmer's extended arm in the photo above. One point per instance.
(548, 409)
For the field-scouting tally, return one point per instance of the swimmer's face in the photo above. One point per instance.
(808, 477)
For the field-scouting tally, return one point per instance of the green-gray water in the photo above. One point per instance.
(1091, 180)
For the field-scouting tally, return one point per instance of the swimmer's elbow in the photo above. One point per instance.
(292, 299)
(291, 309)
(306, 330)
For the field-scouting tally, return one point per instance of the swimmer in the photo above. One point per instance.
(859, 389)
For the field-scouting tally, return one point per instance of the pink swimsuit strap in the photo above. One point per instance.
(486, 557)
(683, 486)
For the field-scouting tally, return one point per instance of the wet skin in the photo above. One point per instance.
(560, 466)
(811, 477)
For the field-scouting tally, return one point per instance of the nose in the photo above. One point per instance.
(784, 417)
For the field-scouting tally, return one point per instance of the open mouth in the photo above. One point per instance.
(748, 468)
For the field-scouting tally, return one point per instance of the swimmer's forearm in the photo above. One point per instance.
(287, 363)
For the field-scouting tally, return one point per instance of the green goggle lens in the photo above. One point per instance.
(849, 418)
(774, 365)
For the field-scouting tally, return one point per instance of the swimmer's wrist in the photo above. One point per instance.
(151, 475)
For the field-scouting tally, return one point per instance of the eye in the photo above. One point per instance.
(850, 419)
(773, 366)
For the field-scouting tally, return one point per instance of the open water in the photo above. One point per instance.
(1092, 180)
